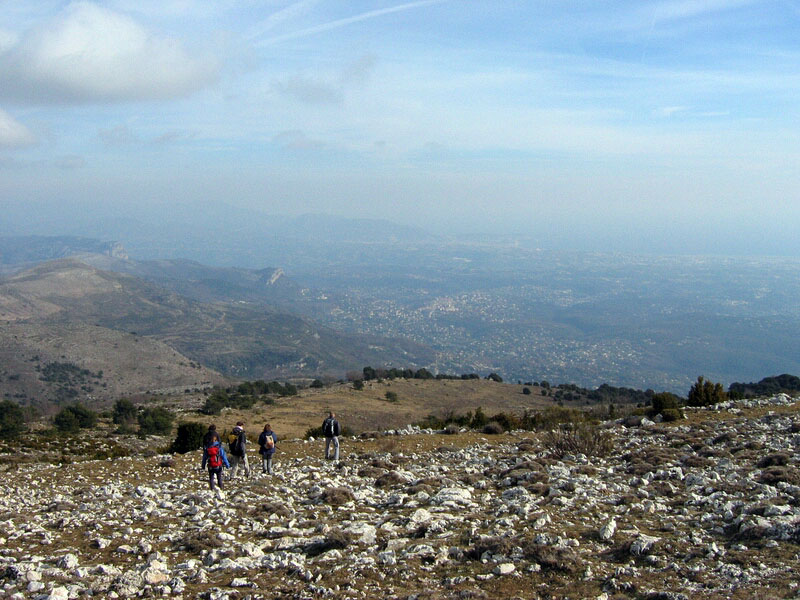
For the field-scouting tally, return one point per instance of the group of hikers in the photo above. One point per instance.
(216, 459)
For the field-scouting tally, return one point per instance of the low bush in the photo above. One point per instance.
(584, 438)
(155, 421)
(672, 414)
(553, 558)
(493, 428)
(389, 479)
(779, 459)
(335, 539)
(337, 496)
(662, 402)
(74, 417)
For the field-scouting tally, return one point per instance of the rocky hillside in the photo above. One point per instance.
(145, 337)
(707, 507)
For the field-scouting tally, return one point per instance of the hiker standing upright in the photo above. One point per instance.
(331, 430)
(214, 456)
(237, 444)
(266, 443)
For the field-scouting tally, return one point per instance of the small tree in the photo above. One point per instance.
(317, 384)
(494, 377)
(392, 396)
(706, 393)
(12, 419)
(479, 419)
(358, 384)
(189, 437)
(124, 414)
(155, 421)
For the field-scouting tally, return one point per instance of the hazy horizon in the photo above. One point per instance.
(650, 127)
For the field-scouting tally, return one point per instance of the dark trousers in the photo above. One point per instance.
(212, 473)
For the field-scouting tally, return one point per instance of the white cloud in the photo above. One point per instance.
(13, 134)
(88, 54)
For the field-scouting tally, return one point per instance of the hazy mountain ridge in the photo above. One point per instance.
(54, 299)
(20, 252)
(487, 305)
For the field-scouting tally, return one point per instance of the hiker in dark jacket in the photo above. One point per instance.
(237, 444)
(214, 456)
(331, 430)
(210, 436)
(266, 443)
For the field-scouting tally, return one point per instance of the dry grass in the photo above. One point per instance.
(368, 411)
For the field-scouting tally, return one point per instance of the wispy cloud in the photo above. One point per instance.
(297, 140)
(294, 10)
(336, 24)
(13, 134)
(673, 10)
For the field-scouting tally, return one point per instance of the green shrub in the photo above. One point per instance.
(124, 412)
(215, 403)
(672, 414)
(155, 421)
(663, 401)
(189, 437)
(313, 432)
(392, 396)
(506, 421)
(75, 417)
(317, 384)
(358, 384)
(12, 419)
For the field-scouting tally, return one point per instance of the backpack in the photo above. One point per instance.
(214, 457)
(329, 427)
(235, 444)
(269, 443)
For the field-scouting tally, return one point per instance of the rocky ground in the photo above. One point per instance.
(707, 507)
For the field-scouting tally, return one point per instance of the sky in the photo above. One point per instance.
(650, 126)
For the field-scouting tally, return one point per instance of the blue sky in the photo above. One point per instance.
(663, 126)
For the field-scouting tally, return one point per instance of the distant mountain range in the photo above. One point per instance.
(200, 325)
(352, 293)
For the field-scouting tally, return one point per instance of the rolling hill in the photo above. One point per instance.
(144, 337)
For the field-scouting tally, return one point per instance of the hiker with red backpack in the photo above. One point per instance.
(214, 456)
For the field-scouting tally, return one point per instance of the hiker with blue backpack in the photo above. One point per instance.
(214, 456)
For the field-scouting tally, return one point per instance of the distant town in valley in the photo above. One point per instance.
(482, 306)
